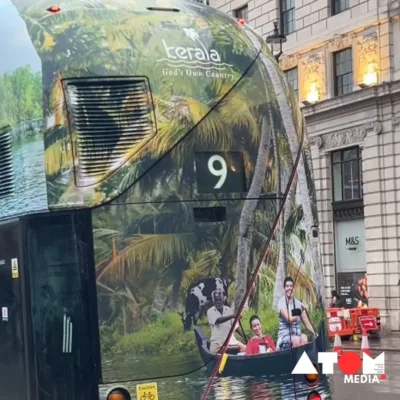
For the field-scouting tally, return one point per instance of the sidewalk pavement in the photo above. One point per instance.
(390, 343)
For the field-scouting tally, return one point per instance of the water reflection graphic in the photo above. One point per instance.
(247, 388)
(30, 182)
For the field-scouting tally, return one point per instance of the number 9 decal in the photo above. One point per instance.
(221, 171)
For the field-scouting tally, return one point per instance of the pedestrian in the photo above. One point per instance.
(336, 301)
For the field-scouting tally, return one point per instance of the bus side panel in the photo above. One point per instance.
(185, 230)
(22, 174)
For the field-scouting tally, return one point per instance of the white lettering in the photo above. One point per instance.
(349, 378)
(375, 379)
(361, 379)
(327, 360)
(189, 50)
(196, 73)
(167, 49)
(190, 53)
(190, 72)
(181, 53)
(200, 55)
(219, 75)
(171, 72)
(215, 56)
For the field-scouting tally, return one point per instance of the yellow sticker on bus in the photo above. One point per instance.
(147, 391)
(14, 268)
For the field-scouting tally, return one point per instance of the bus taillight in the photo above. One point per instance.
(54, 9)
(116, 396)
(119, 394)
(312, 379)
(314, 396)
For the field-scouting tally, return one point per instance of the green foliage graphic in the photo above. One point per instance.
(21, 96)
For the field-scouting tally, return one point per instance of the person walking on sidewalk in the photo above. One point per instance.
(336, 301)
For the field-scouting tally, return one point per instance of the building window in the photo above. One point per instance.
(242, 12)
(347, 174)
(288, 17)
(339, 6)
(292, 77)
(343, 63)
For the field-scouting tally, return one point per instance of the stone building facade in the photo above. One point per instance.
(343, 59)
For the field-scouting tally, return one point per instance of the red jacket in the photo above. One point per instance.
(252, 345)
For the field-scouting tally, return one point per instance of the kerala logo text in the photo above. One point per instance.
(196, 61)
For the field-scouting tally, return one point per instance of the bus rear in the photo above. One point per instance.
(160, 224)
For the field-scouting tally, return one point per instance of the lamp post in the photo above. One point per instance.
(276, 40)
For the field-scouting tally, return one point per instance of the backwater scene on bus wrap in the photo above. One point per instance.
(186, 230)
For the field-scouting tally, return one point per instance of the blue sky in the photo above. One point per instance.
(16, 48)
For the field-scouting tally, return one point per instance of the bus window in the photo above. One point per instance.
(58, 271)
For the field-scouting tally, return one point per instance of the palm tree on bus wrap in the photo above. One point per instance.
(267, 280)
(246, 218)
(176, 116)
(292, 123)
(177, 113)
(124, 306)
(172, 261)
(280, 157)
(265, 293)
(293, 131)
(183, 108)
(283, 163)
(176, 258)
(159, 242)
(192, 34)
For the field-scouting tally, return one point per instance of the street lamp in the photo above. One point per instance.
(276, 40)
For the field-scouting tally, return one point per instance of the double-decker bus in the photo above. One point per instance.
(154, 172)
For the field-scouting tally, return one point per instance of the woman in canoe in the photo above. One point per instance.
(259, 343)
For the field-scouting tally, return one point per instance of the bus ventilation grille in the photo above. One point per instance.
(6, 163)
(111, 118)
